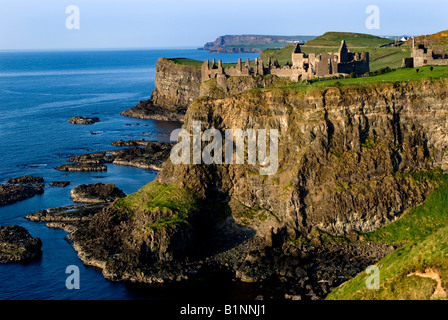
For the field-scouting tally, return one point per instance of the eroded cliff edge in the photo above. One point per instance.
(345, 158)
(341, 152)
(178, 85)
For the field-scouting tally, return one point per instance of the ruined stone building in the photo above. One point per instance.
(303, 66)
(422, 56)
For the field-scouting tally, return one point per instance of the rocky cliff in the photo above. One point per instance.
(250, 43)
(344, 157)
(340, 153)
(176, 86)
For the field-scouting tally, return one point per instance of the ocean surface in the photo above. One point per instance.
(39, 92)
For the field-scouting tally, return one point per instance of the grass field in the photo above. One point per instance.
(379, 57)
(330, 42)
(400, 75)
(354, 40)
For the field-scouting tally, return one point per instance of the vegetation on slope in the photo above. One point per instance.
(172, 203)
(400, 75)
(379, 57)
(353, 40)
(419, 269)
(436, 39)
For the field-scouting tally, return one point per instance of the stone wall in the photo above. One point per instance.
(303, 66)
(422, 56)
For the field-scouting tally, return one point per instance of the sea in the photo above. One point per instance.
(39, 92)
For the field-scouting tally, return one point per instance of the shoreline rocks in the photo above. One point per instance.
(147, 110)
(290, 271)
(150, 156)
(83, 120)
(96, 193)
(19, 189)
(83, 167)
(61, 184)
(66, 214)
(17, 245)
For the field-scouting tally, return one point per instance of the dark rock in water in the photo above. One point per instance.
(59, 183)
(123, 143)
(83, 120)
(17, 245)
(96, 158)
(21, 188)
(151, 156)
(147, 110)
(26, 180)
(67, 214)
(96, 193)
(82, 167)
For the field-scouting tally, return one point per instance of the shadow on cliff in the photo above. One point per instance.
(218, 231)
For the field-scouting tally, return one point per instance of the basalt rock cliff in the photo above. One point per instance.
(177, 86)
(345, 155)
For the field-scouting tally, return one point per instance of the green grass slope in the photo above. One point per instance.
(354, 40)
(419, 269)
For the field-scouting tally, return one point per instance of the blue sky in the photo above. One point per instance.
(41, 24)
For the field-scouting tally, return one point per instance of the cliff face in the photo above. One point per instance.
(176, 86)
(341, 153)
(344, 155)
(250, 43)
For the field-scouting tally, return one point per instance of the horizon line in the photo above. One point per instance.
(100, 49)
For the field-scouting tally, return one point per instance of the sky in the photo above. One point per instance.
(42, 24)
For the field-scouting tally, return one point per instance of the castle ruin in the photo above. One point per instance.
(422, 56)
(303, 66)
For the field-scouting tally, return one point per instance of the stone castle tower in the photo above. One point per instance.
(422, 56)
(303, 66)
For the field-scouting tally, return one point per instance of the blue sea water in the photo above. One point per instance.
(39, 92)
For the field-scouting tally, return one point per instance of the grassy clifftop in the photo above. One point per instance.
(436, 39)
(379, 57)
(360, 40)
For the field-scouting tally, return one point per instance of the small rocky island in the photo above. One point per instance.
(17, 245)
(96, 193)
(83, 120)
(142, 154)
(21, 188)
(61, 184)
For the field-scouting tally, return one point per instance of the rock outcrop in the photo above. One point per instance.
(178, 85)
(250, 43)
(83, 120)
(350, 159)
(17, 245)
(21, 188)
(82, 167)
(96, 193)
(150, 156)
(349, 147)
(61, 184)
